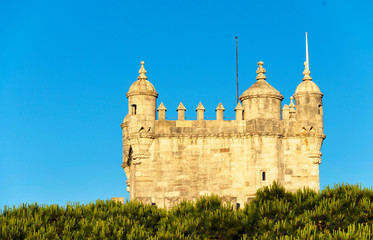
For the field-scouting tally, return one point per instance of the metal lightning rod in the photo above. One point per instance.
(237, 69)
(307, 60)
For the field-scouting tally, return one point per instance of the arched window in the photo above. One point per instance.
(319, 110)
(263, 176)
(133, 109)
(129, 160)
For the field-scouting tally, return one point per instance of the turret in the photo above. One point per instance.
(261, 100)
(139, 122)
(308, 101)
(142, 101)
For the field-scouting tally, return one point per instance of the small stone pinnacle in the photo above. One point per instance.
(291, 105)
(260, 71)
(306, 72)
(142, 72)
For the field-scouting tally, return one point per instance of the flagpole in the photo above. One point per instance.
(307, 60)
(237, 69)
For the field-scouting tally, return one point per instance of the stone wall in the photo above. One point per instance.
(188, 159)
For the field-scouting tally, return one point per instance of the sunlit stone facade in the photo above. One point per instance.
(166, 161)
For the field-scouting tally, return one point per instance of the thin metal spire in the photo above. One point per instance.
(307, 60)
(306, 71)
(237, 69)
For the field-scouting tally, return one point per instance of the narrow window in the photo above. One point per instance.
(129, 159)
(133, 109)
(263, 176)
(238, 205)
(319, 110)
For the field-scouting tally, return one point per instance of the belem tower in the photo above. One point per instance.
(166, 161)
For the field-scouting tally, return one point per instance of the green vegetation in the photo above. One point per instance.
(342, 212)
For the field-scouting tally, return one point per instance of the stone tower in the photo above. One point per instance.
(139, 126)
(166, 161)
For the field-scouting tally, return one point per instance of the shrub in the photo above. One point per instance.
(342, 212)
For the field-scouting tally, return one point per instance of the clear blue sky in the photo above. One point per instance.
(65, 67)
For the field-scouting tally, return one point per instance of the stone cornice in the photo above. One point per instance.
(299, 135)
(141, 136)
(227, 135)
(204, 135)
(129, 94)
(309, 94)
(279, 97)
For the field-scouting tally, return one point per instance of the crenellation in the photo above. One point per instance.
(181, 112)
(200, 112)
(161, 112)
(220, 112)
(166, 161)
(286, 113)
(239, 112)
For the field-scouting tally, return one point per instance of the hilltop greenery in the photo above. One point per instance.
(341, 212)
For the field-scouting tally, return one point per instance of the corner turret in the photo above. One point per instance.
(142, 101)
(138, 128)
(308, 101)
(308, 126)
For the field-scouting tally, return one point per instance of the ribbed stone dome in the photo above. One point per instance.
(307, 86)
(261, 88)
(142, 85)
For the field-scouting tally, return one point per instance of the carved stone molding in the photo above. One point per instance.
(315, 157)
(170, 202)
(145, 200)
(229, 199)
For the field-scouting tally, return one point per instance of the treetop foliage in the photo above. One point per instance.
(342, 212)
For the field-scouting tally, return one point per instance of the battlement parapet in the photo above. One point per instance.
(288, 113)
(223, 127)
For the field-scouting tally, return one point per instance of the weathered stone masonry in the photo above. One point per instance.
(167, 161)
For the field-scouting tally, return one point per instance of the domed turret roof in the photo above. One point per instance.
(307, 86)
(142, 86)
(261, 88)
